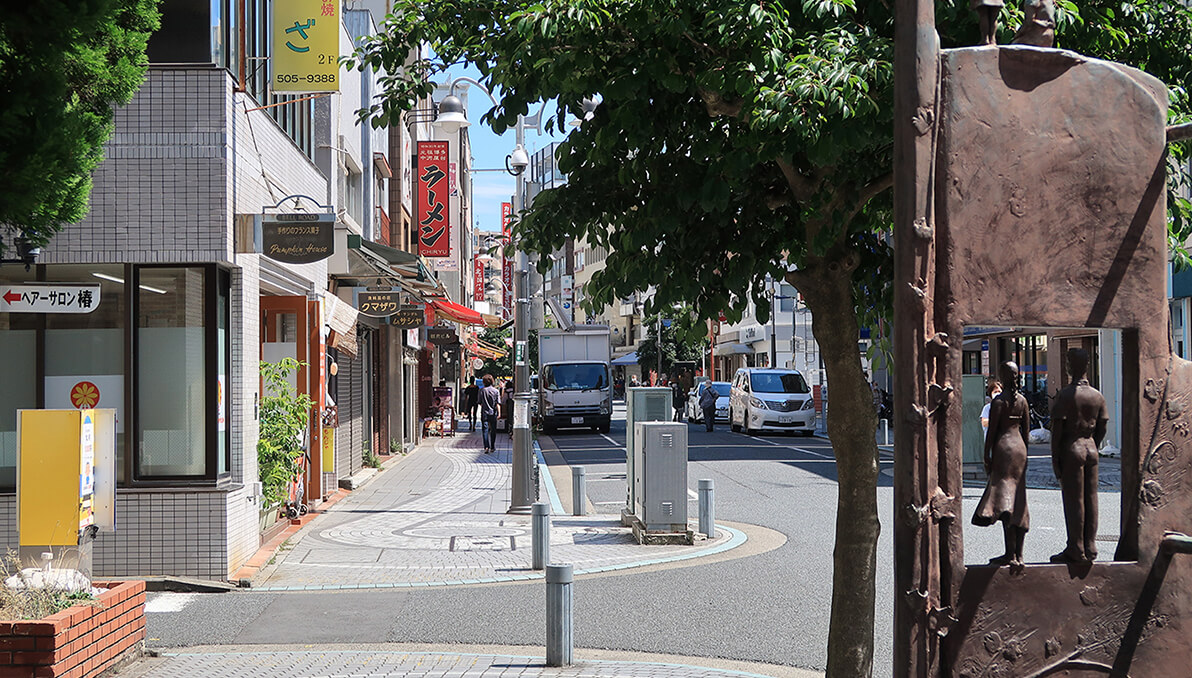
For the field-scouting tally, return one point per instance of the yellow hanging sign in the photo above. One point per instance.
(305, 46)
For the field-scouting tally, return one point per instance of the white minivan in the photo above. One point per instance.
(764, 399)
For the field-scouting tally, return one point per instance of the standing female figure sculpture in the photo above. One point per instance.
(1005, 465)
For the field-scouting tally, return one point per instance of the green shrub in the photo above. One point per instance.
(285, 416)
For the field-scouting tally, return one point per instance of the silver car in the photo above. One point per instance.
(771, 400)
(695, 414)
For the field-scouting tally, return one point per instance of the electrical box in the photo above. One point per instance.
(660, 475)
(642, 403)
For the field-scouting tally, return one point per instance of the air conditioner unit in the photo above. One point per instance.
(642, 403)
(660, 476)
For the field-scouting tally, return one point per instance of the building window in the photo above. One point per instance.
(84, 352)
(177, 343)
(18, 343)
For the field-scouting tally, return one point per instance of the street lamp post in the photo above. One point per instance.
(523, 492)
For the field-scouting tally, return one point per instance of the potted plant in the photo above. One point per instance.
(284, 418)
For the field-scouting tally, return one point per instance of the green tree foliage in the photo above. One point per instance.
(284, 418)
(683, 341)
(737, 138)
(64, 64)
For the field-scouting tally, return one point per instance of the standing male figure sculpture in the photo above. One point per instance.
(1078, 421)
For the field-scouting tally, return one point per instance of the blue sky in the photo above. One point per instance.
(490, 189)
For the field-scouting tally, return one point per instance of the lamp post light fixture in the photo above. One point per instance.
(27, 253)
(452, 116)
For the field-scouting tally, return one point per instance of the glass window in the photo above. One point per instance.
(222, 435)
(576, 377)
(18, 345)
(172, 410)
(778, 382)
(84, 352)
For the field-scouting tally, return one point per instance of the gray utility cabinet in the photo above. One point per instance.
(642, 403)
(660, 475)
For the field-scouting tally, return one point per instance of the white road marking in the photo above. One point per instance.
(763, 440)
(691, 493)
(814, 454)
(608, 503)
(615, 443)
(170, 602)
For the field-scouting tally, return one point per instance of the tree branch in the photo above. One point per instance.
(802, 186)
(717, 106)
(869, 192)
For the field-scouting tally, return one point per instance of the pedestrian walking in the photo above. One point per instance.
(471, 401)
(707, 403)
(490, 408)
(678, 400)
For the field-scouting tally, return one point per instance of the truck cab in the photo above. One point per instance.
(575, 384)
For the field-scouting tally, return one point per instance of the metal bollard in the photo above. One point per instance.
(540, 533)
(885, 431)
(560, 638)
(707, 513)
(579, 494)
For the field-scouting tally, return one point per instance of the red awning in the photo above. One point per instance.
(458, 313)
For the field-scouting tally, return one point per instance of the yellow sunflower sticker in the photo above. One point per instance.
(84, 395)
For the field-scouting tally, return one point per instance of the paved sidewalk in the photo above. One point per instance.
(395, 663)
(438, 518)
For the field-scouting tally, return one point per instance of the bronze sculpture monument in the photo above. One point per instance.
(1078, 421)
(1005, 464)
(1038, 24)
(988, 11)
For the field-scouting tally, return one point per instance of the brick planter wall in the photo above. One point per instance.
(78, 642)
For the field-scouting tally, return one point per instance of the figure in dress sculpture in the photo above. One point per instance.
(1005, 465)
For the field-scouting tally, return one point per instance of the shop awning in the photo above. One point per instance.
(732, 349)
(463, 314)
(627, 359)
(485, 350)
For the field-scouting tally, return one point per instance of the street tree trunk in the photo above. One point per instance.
(827, 287)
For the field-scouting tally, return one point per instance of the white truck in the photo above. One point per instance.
(574, 381)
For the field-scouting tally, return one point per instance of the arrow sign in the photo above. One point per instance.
(49, 298)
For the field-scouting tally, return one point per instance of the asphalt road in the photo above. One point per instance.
(771, 606)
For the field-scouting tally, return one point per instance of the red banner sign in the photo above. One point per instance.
(434, 212)
(506, 263)
(477, 278)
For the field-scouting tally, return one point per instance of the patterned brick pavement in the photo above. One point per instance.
(394, 664)
(438, 518)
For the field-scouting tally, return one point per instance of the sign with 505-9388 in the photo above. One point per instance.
(305, 46)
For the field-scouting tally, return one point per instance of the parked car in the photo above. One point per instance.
(722, 388)
(763, 399)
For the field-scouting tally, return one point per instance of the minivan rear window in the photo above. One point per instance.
(778, 382)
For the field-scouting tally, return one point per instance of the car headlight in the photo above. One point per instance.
(810, 404)
(757, 402)
(548, 407)
(604, 407)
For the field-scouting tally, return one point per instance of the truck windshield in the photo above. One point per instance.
(574, 377)
(789, 382)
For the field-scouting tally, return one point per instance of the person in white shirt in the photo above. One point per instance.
(991, 391)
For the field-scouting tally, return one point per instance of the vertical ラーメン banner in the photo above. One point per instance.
(434, 214)
(305, 46)
(506, 262)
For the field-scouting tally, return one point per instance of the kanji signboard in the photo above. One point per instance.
(306, 46)
(378, 304)
(477, 278)
(408, 317)
(434, 213)
(49, 298)
(298, 238)
(506, 262)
